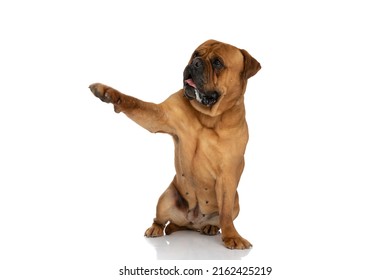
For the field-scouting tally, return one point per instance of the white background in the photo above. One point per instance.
(79, 183)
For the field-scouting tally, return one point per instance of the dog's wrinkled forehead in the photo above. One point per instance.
(211, 49)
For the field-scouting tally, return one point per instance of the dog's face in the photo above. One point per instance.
(216, 76)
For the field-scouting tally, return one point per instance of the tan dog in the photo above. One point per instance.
(207, 122)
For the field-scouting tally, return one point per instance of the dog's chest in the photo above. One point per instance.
(198, 158)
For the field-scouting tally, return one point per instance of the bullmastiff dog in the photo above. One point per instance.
(206, 119)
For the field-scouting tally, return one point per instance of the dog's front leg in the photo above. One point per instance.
(227, 197)
(148, 115)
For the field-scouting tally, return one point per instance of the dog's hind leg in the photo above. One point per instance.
(172, 227)
(170, 207)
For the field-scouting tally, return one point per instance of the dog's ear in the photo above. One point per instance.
(251, 65)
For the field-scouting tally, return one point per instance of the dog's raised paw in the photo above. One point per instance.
(105, 93)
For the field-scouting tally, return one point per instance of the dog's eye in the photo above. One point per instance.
(217, 63)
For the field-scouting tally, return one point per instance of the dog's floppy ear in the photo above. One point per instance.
(251, 65)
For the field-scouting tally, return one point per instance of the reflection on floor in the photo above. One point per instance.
(190, 245)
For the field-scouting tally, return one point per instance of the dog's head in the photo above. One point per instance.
(216, 76)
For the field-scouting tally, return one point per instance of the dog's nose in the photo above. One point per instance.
(197, 62)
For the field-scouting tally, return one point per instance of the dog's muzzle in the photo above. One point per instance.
(193, 91)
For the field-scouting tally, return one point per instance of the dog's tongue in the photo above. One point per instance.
(191, 83)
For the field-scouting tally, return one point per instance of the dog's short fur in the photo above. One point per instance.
(206, 119)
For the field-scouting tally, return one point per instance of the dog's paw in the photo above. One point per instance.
(155, 230)
(105, 93)
(209, 230)
(171, 228)
(236, 242)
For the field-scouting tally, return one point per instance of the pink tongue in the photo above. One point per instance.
(191, 83)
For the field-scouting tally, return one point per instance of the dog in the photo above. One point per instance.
(206, 119)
